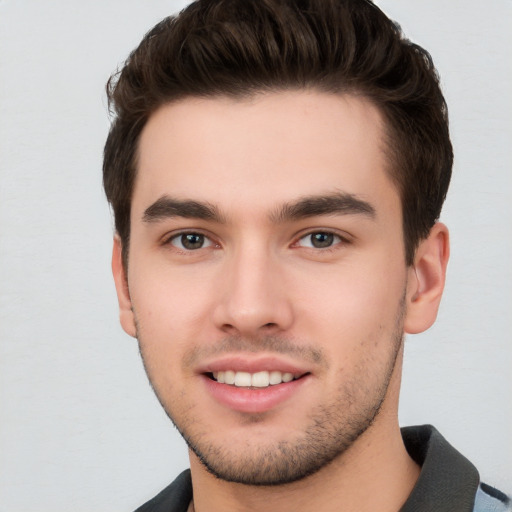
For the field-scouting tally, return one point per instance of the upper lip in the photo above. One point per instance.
(252, 364)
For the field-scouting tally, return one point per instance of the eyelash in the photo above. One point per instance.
(335, 245)
(176, 236)
(337, 240)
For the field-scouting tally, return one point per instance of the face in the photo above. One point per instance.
(266, 281)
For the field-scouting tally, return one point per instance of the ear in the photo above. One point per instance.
(126, 315)
(426, 280)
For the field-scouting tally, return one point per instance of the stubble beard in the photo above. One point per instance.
(333, 429)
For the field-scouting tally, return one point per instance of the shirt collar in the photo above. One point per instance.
(448, 481)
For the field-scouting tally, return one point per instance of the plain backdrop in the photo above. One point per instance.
(80, 429)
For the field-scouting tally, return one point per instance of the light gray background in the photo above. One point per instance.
(80, 429)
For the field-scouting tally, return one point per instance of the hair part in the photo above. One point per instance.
(238, 48)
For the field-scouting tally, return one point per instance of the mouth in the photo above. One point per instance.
(248, 384)
(258, 380)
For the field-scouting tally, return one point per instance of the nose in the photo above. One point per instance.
(253, 298)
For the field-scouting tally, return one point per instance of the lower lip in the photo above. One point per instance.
(253, 400)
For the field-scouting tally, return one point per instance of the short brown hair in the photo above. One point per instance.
(242, 47)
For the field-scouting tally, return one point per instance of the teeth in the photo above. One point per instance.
(256, 380)
(229, 377)
(260, 380)
(243, 379)
(275, 378)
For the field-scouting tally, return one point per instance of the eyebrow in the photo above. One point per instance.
(167, 207)
(332, 204)
(310, 206)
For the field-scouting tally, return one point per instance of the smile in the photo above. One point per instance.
(260, 379)
(256, 391)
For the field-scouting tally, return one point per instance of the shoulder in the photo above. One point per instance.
(489, 499)
(174, 498)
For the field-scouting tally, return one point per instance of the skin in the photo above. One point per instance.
(256, 286)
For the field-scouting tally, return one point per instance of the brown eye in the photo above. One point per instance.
(190, 241)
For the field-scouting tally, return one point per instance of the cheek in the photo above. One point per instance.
(170, 317)
(169, 299)
(356, 307)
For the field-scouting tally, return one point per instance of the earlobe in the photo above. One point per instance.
(126, 315)
(426, 280)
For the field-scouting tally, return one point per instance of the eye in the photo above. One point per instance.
(190, 241)
(319, 240)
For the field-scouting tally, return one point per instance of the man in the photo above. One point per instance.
(277, 169)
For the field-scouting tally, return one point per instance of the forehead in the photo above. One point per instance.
(267, 149)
